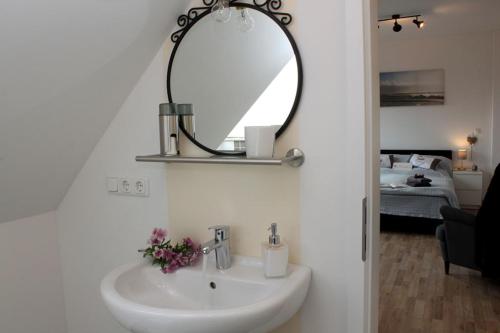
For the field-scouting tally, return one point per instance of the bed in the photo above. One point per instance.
(402, 204)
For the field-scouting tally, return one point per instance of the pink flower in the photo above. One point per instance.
(158, 236)
(171, 257)
(160, 233)
(188, 242)
(182, 260)
(168, 254)
(158, 253)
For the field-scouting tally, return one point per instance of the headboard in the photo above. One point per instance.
(443, 153)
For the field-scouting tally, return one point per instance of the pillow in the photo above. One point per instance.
(401, 158)
(424, 162)
(386, 161)
(445, 165)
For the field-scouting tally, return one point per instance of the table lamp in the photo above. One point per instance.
(472, 140)
(462, 156)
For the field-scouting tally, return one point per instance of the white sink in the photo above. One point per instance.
(144, 300)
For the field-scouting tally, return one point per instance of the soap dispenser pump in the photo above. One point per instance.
(274, 255)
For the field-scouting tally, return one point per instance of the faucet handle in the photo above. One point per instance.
(221, 232)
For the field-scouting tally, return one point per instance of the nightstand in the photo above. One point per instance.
(469, 187)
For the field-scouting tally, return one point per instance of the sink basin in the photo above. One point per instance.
(191, 300)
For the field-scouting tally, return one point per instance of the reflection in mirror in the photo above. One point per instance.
(236, 74)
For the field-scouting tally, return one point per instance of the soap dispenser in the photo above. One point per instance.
(274, 255)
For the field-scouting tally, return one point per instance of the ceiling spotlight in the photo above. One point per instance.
(397, 27)
(416, 19)
(418, 23)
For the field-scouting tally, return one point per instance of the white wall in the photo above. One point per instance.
(67, 66)
(31, 296)
(99, 231)
(467, 61)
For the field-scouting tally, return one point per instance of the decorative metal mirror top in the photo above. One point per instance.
(239, 66)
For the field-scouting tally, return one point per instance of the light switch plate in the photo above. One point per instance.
(112, 184)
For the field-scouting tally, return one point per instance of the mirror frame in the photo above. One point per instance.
(269, 8)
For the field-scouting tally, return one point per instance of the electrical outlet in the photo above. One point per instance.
(124, 186)
(140, 186)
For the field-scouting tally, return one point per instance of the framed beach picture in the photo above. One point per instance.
(412, 88)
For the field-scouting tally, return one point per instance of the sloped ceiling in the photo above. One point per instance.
(442, 17)
(66, 66)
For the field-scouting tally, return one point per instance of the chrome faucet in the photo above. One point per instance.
(220, 244)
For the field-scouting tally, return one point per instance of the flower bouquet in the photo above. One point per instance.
(170, 257)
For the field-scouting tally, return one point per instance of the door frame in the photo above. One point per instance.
(372, 137)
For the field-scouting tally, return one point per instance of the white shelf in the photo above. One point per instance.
(294, 158)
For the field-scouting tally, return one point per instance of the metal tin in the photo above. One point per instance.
(168, 121)
(186, 115)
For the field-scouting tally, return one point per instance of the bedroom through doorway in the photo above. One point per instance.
(439, 166)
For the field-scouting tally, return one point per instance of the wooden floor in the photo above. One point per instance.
(416, 295)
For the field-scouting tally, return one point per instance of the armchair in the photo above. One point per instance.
(472, 241)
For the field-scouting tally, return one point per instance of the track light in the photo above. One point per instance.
(418, 23)
(398, 27)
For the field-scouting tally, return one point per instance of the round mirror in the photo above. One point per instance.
(242, 72)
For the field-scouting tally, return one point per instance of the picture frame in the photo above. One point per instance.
(412, 88)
